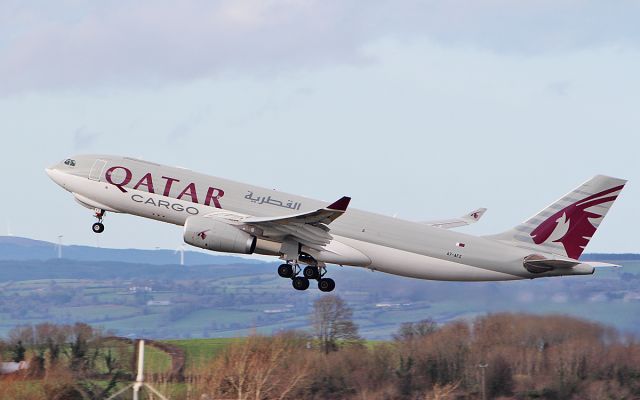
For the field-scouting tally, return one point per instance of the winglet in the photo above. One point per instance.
(467, 219)
(475, 215)
(340, 205)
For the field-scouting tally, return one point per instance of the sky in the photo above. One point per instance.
(420, 109)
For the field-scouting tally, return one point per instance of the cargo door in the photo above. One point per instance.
(96, 170)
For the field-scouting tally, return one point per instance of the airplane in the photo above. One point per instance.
(226, 216)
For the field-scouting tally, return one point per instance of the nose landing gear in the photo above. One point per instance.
(98, 227)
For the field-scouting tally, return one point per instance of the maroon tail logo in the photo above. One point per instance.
(575, 220)
(203, 235)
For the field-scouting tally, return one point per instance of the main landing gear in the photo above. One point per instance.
(292, 271)
(98, 227)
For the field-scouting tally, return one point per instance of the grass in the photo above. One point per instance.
(134, 324)
(199, 351)
(23, 389)
(156, 361)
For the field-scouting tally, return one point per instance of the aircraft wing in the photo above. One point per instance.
(309, 228)
(321, 216)
(467, 219)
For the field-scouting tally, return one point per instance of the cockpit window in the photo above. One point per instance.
(70, 162)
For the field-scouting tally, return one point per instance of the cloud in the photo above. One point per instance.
(83, 44)
(560, 88)
(83, 138)
(181, 132)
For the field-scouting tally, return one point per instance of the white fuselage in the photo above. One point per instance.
(360, 238)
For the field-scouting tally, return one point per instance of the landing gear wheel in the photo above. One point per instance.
(285, 270)
(300, 283)
(311, 272)
(98, 227)
(326, 284)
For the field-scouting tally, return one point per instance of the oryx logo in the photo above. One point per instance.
(571, 226)
(203, 235)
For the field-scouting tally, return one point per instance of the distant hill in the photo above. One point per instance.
(146, 293)
(610, 257)
(21, 270)
(22, 249)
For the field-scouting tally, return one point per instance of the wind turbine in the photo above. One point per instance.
(139, 383)
(180, 250)
(9, 229)
(59, 246)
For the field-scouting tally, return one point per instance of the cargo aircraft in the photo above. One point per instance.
(231, 217)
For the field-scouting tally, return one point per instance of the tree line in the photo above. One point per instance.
(495, 356)
(504, 355)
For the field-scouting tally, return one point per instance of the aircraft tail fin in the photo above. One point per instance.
(566, 226)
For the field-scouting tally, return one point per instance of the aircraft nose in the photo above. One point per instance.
(56, 175)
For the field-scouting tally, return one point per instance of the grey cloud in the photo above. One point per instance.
(182, 131)
(560, 88)
(83, 44)
(305, 91)
(84, 139)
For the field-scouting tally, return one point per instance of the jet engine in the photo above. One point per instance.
(214, 234)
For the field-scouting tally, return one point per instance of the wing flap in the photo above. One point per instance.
(309, 228)
(313, 238)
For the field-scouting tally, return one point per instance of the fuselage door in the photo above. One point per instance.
(96, 170)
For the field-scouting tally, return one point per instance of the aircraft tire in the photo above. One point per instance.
(285, 270)
(326, 284)
(300, 283)
(311, 272)
(98, 227)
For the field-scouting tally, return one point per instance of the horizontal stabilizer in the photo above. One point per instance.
(598, 264)
(537, 264)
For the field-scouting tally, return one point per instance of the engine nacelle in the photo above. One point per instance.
(217, 235)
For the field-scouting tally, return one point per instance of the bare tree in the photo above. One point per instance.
(443, 392)
(332, 324)
(415, 330)
(259, 368)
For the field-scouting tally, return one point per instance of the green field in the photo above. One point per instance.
(256, 300)
(199, 351)
(96, 313)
